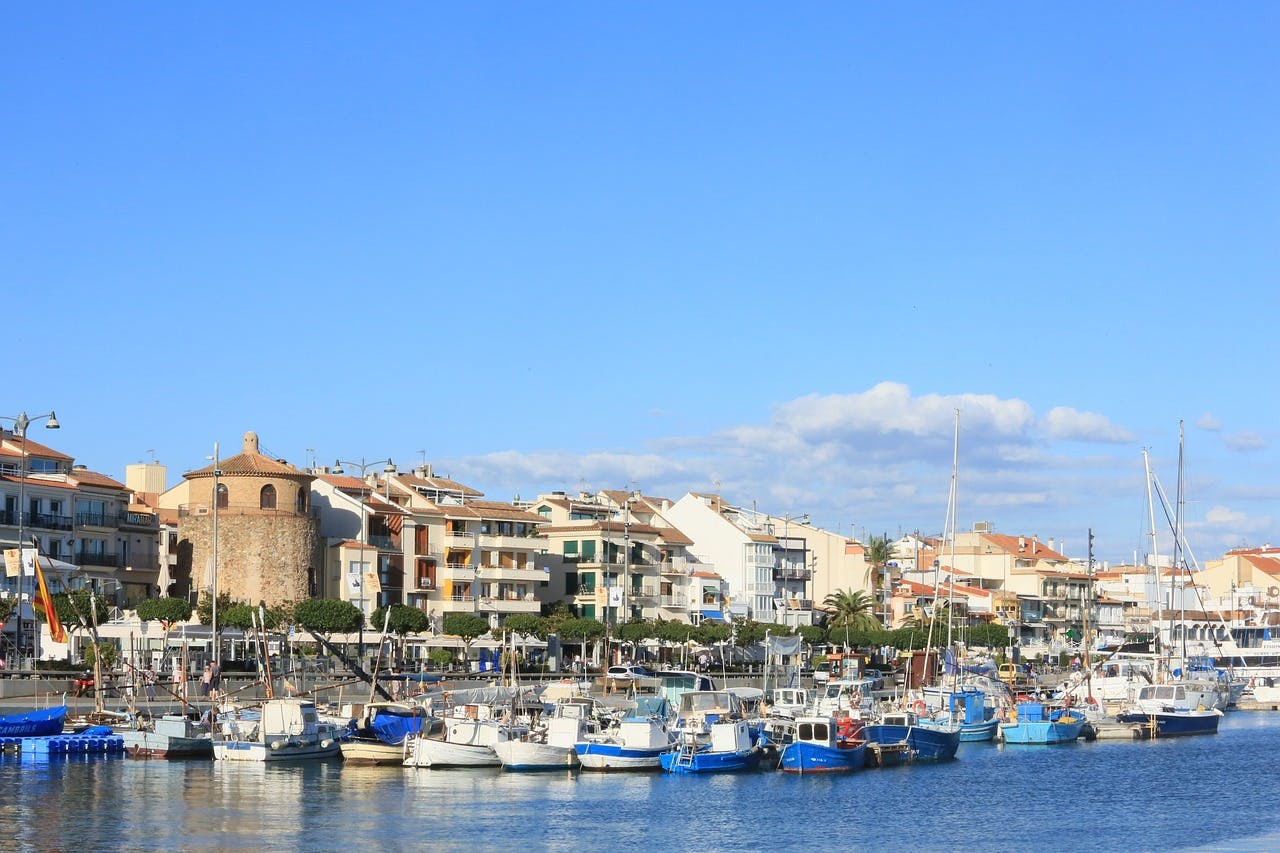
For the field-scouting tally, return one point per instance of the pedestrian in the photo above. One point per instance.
(149, 683)
(206, 679)
(215, 679)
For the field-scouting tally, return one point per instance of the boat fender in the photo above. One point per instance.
(326, 743)
(277, 744)
(919, 707)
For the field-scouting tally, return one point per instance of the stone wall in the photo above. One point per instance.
(261, 556)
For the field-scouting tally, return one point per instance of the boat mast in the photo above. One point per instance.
(1088, 602)
(951, 510)
(1179, 548)
(1155, 563)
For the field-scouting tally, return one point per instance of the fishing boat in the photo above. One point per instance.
(380, 732)
(968, 708)
(286, 730)
(636, 744)
(819, 746)
(936, 743)
(1164, 710)
(167, 736)
(712, 735)
(49, 721)
(551, 746)
(1034, 723)
(468, 737)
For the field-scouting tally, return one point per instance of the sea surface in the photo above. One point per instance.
(1202, 793)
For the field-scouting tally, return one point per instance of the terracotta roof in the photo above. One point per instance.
(706, 575)
(12, 446)
(489, 509)
(442, 484)
(1269, 565)
(93, 478)
(352, 543)
(36, 481)
(604, 527)
(1031, 547)
(760, 537)
(344, 482)
(673, 537)
(251, 463)
(168, 516)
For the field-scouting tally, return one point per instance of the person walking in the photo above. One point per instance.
(149, 683)
(206, 679)
(215, 679)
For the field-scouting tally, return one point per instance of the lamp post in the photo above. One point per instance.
(20, 424)
(388, 468)
(213, 573)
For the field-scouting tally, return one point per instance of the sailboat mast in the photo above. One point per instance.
(1180, 563)
(955, 483)
(1155, 560)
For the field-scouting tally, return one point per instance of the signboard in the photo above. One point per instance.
(11, 562)
(615, 596)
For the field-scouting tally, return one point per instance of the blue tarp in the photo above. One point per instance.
(394, 728)
(714, 614)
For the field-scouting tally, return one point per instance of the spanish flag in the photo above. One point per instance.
(45, 600)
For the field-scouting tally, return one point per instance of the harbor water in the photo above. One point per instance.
(1211, 793)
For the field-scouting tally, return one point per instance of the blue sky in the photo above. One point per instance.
(557, 246)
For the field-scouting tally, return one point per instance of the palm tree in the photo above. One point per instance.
(854, 609)
(878, 552)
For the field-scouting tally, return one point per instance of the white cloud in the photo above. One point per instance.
(1245, 441)
(1209, 422)
(1066, 423)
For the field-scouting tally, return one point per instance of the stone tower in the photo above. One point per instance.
(268, 536)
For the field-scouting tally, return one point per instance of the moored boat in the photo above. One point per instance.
(636, 744)
(1034, 723)
(937, 743)
(49, 721)
(168, 736)
(286, 730)
(818, 747)
(1163, 711)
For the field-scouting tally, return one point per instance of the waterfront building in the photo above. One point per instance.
(82, 519)
(463, 553)
(268, 532)
(614, 556)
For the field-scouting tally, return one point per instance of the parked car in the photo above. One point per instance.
(627, 673)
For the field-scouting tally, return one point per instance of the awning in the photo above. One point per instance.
(714, 614)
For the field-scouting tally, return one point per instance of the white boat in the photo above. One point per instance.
(636, 744)
(287, 729)
(469, 735)
(552, 746)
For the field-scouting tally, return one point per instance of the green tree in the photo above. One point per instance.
(635, 631)
(236, 615)
(328, 615)
(440, 657)
(853, 609)
(747, 632)
(813, 634)
(73, 610)
(170, 610)
(468, 626)
(404, 620)
(711, 632)
(581, 632)
(110, 655)
(878, 552)
(526, 625)
(673, 631)
(204, 607)
(8, 606)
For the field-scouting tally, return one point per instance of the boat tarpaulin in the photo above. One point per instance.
(785, 645)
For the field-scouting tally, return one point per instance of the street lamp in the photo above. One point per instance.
(388, 468)
(20, 424)
(213, 572)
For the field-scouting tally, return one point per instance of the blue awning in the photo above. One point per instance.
(714, 614)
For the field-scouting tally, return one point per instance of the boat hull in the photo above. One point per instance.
(153, 745)
(519, 755)
(926, 744)
(34, 723)
(613, 757)
(253, 751)
(1043, 732)
(706, 761)
(800, 757)
(439, 754)
(372, 753)
(978, 732)
(1175, 724)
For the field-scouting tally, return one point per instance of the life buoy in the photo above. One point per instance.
(919, 707)
(1273, 591)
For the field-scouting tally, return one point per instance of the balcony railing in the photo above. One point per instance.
(97, 519)
(140, 519)
(191, 510)
(676, 602)
(381, 542)
(48, 522)
(86, 558)
(792, 574)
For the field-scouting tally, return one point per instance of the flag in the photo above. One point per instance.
(45, 600)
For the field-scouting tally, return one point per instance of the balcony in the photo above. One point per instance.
(511, 604)
(791, 573)
(97, 519)
(382, 542)
(48, 522)
(458, 572)
(511, 573)
(144, 520)
(675, 602)
(85, 558)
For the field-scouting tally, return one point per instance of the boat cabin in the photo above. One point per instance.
(907, 719)
(826, 731)
(788, 700)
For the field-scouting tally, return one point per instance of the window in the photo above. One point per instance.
(267, 497)
(302, 500)
(589, 551)
(570, 551)
(222, 496)
(544, 511)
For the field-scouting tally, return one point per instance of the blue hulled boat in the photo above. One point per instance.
(936, 743)
(1165, 710)
(968, 708)
(819, 748)
(1033, 723)
(712, 736)
(34, 723)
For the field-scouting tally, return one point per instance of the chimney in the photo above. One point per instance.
(250, 444)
